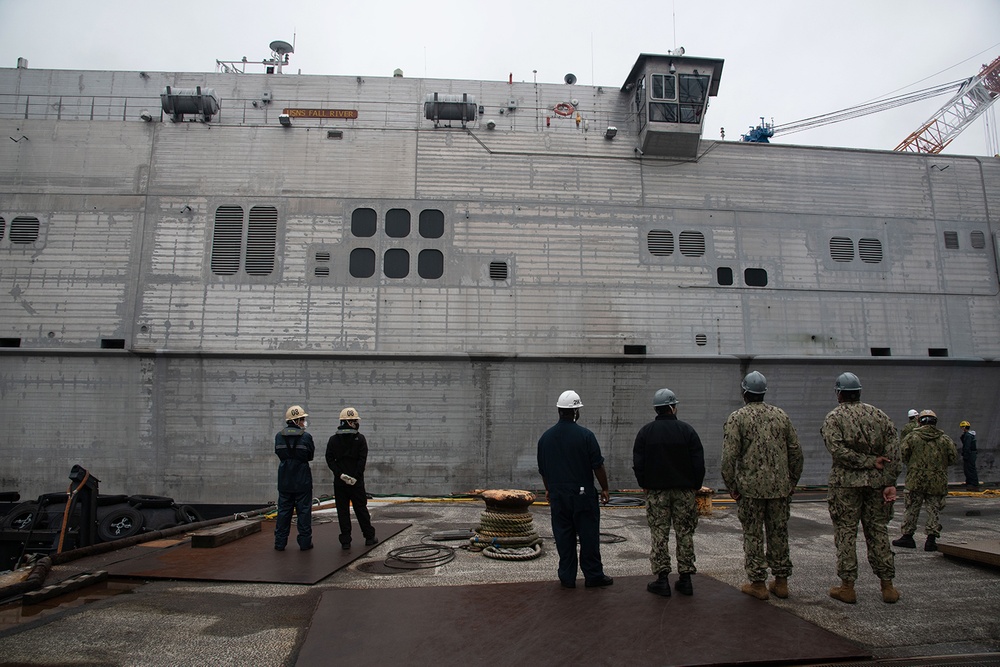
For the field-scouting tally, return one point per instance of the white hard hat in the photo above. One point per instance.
(912, 413)
(569, 399)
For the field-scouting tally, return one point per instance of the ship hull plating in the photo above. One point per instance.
(171, 287)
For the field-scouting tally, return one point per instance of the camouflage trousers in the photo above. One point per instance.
(760, 517)
(848, 506)
(914, 501)
(666, 508)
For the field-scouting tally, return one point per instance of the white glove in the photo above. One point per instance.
(350, 481)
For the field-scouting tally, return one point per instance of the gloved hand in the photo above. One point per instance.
(350, 481)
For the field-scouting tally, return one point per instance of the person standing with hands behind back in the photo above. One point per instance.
(295, 448)
(569, 458)
(866, 462)
(347, 455)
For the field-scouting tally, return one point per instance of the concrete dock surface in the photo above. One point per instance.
(950, 608)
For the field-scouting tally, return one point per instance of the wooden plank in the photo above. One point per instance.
(984, 551)
(219, 535)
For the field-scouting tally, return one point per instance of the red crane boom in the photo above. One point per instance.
(975, 97)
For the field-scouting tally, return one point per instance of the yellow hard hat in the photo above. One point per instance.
(295, 412)
(963, 424)
(349, 414)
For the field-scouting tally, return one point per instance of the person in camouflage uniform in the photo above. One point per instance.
(927, 453)
(669, 464)
(911, 423)
(862, 486)
(761, 464)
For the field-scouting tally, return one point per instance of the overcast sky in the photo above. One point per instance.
(784, 59)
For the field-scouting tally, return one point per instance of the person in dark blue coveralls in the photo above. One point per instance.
(295, 448)
(568, 460)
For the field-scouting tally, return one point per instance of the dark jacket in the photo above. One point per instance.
(968, 443)
(347, 453)
(568, 455)
(668, 455)
(295, 448)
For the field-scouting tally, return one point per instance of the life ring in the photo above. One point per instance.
(563, 109)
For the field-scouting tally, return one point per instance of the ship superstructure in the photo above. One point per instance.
(184, 255)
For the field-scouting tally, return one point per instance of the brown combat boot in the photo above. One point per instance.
(779, 587)
(844, 592)
(889, 592)
(755, 589)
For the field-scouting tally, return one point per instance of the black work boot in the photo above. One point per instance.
(905, 540)
(661, 586)
(931, 543)
(370, 541)
(683, 585)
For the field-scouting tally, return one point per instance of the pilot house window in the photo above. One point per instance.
(691, 92)
(664, 87)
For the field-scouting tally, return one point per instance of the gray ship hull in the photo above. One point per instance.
(171, 287)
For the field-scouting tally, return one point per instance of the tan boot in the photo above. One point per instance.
(779, 587)
(889, 592)
(755, 589)
(844, 592)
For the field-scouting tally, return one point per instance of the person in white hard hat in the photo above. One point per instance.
(910, 425)
(295, 448)
(569, 458)
(347, 456)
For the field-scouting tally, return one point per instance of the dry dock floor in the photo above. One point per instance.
(475, 608)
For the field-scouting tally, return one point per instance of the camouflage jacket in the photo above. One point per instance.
(856, 433)
(761, 457)
(907, 427)
(927, 453)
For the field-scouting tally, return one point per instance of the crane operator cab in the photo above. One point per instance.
(669, 96)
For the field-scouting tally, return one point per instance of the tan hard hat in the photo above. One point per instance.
(295, 412)
(349, 414)
(927, 417)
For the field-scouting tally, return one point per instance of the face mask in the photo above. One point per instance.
(305, 424)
